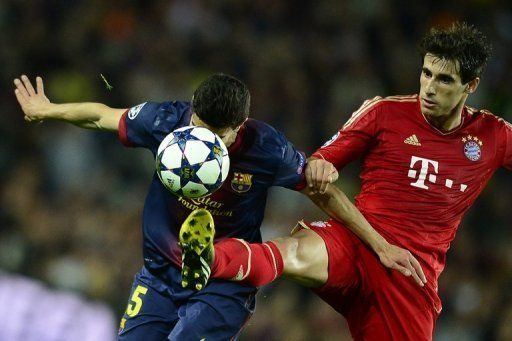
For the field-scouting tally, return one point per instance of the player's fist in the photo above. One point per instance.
(319, 174)
(33, 102)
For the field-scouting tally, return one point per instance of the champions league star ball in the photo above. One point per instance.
(192, 162)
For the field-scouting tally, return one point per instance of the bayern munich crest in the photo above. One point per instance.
(472, 147)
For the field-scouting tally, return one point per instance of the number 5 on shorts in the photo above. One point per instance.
(135, 303)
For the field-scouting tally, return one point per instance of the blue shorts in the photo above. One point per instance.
(160, 309)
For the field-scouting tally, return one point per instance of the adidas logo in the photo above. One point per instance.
(240, 275)
(412, 140)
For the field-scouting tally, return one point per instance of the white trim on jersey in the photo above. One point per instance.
(368, 104)
(273, 259)
(249, 258)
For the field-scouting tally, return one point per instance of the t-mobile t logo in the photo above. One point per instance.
(424, 171)
(427, 165)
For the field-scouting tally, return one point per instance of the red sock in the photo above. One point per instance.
(255, 264)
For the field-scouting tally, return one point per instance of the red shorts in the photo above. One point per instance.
(378, 303)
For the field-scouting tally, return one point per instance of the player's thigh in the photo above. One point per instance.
(305, 257)
(326, 255)
(392, 305)
(371, 327)
(212, 316)
(150, 331)
(408, 313)
(149, 315)
(402, 322)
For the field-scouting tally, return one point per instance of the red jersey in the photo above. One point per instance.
(417, 181)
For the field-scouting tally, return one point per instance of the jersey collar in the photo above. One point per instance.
(235, 147)
(464, 114)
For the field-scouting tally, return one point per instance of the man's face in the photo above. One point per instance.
(227, 135)
(441, 88)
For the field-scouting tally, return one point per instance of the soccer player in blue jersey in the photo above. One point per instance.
(161, 305)
(261, 157)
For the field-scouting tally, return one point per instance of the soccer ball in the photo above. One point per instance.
(192, 162)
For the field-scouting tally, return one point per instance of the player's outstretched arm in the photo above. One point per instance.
(37, 107)
(336, 204)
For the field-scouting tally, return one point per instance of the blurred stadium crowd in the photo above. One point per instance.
(71, 200)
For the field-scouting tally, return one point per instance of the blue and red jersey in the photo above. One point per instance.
(260, 157)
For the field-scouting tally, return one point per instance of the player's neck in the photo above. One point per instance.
(450, 121)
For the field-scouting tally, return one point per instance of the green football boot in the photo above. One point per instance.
(197, 251)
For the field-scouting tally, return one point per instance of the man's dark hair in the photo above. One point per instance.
(222, 101)
(460, 42)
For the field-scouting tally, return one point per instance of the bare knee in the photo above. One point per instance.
(304, 257)
(291, 251)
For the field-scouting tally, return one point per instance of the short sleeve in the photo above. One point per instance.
(507, 159)
(146, 125)
(354, 138)
(290, 173)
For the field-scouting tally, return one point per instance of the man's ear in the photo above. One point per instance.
(472, 85)
(193, 119)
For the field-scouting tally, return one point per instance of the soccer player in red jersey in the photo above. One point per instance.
(426, 158)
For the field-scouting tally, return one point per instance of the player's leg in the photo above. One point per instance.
(401, 323)
(302, 257)
(391, 306)
(218, 312)
(231, 259)
(378, 304)
(150, 315)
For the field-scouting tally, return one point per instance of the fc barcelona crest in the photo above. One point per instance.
(241, 182)
(472, 147)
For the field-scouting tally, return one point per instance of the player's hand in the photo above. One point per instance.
(403, 261)
(33, 102)
(319, 174)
